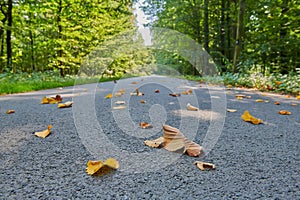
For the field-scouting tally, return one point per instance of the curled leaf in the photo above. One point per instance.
(259, 100)
(156, 91)
(119, 107)
(44, 133)
(154, 143)
(294, 104)
(94, 166)
(145, 125)
(108, 96)
(137, 93)
(203, 165)
(174, 140)
(142, 101)
(240, 96)
(65, 105)
(247, 117)
(10, 111)
(231, 110)
(134, 82)
(118, 94)
(51, 100)
(191, 108)
(120, 102)
(187, 92)
(175, 94)
(284, 112)
(298, 97)
(277, 103)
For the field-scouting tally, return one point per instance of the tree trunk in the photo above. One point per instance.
(8, 34)
(60, 52)
(206, 26)
(283, 61)
(238, 41)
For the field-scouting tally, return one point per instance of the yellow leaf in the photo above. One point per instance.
(247, 117)
(51, 100)
(108, 96)
(10, 111)
(259, 100)
(94, 166)
(284, 112)
(44, 133)
(142, 101)
(191, 108)
(154, 143)
(187, 92)
(240, 96)
(203, 165)
(298, 97)
(231, 110)
(118, 94)
(65, 105)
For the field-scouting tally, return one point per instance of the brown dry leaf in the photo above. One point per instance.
(115, 81)
(119, 107)
(284, 112)
(142, 101)
(278, 82)
(240, 96)
(44, 133)
(203, 165)
(247, 117)
(118, 94)
(288, 96)
(108, 96)
(10, 111)
(231, 110)
(191, 108)
(298, 97)
(145, 125)
(259, 100)
(134, 83)
(187, 92)
(154, 143)
(277, 103)
(67, 104)
(94, 166)
(175, 94)
(174, 140)
(122, 91)
(137, 93)
(156, 91)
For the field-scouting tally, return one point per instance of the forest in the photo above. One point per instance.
(243, 37)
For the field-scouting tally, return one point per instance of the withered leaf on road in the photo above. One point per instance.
(67, 104)
(191, 108)
(175, 94)
(10, 111)
(154, 143)
(142, 101)
(120, 102)
(108, 96)
(231, 110)
(187, 92)
(44, 133)
(203, 165)
(277, 103)
(51, 100)
(119, 107)
(247, 117)
(284, 112)
(156, 91)
(94, 166)
(145, 125)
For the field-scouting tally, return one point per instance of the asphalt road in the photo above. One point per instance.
(252, 161)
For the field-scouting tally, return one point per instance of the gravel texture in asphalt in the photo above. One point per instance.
(252, 161)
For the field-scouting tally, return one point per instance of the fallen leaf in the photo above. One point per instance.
(44, 133)
(294, 104)
(240, 96)
(277, 103)
(154, 143)
(248, 97)
(231, 110)
(137, 93)
(134, 83)
(203, 165)
(118, 94)
(94, 166)
(229, 86)
(278, 82)
(51, 100)
(65, 105)
(187, 92)
(119, 107)
(266, 101)
(120, 102)
(156, 91)
(298, 97)
(115, 81)
(259, 100)
(191, 108)
(145, 125)
(142, 101)
(10, 111)
(108, 96)
(174, 140)
(175, 94)
(247, 117)
(288, 96)
(284, 112)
